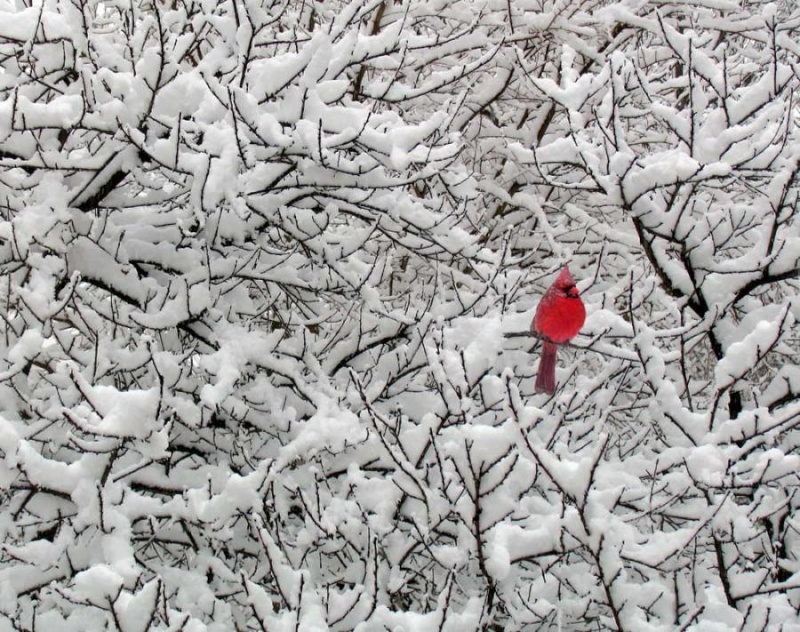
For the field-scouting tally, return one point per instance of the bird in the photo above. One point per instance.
(558, 319)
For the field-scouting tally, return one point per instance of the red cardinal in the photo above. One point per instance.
(559, 317)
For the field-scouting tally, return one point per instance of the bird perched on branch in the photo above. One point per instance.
(558, 319)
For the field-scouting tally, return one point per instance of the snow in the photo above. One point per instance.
(62, 111)
(26, 348)
(744, 355)
(136, 611)
(22, 24)
(266, 284)
(86, 257)
(508, 543)
(98, 584)
(238, 348)
(117, 413)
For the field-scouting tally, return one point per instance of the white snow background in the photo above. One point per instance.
(267, 271)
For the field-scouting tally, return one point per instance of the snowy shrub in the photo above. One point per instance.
(662, 150)
(267, 273)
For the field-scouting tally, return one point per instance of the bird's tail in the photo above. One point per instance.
(546, 376)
